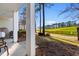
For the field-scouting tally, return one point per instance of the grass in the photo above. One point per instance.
(65, 30)
(58, 47)
(57, 39)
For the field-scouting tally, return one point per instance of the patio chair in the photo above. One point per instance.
(3, 45)
(11, 34)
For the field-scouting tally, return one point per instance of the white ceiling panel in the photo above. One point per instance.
(7, 9)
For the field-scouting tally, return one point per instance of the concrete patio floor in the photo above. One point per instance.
(15, 49)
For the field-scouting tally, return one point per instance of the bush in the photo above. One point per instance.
(21, 32)
(47, 34)
(40, 34)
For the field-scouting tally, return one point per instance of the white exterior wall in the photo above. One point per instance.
(7, 23)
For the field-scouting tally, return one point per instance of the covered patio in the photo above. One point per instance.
(9, 18)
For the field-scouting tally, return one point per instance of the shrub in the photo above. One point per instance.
(21, 32)
(47, 34)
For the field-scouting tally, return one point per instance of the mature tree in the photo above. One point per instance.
(23, 22)
(41, 8)
(43, 13)
(61, 24)
(38, 9)
(23, 19)
(73, 7)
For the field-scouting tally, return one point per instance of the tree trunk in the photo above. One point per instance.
(35, 25)
(24, 27)
(78, 33)
(40, 17)
(43, 19)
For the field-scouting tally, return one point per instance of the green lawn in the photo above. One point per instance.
(65, 31)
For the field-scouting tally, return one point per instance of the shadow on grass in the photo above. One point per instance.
(55, 48)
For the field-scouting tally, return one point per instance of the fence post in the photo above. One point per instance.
(78, 33)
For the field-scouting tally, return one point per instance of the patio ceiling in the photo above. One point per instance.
(7, 9)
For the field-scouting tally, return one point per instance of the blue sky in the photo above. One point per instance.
(51, 14)
(21, 10)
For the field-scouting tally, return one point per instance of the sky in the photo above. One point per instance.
(21, 11)
(51, 14)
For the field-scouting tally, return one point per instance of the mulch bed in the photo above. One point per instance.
(56, 49)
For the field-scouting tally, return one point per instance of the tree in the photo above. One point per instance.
(62, 24)
(23, 22)
(59, 25)
(72, 8)
(23, 19)
(43, 12)
(39, 7)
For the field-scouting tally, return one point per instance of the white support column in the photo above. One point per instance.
(15, 23)
(30, 30)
